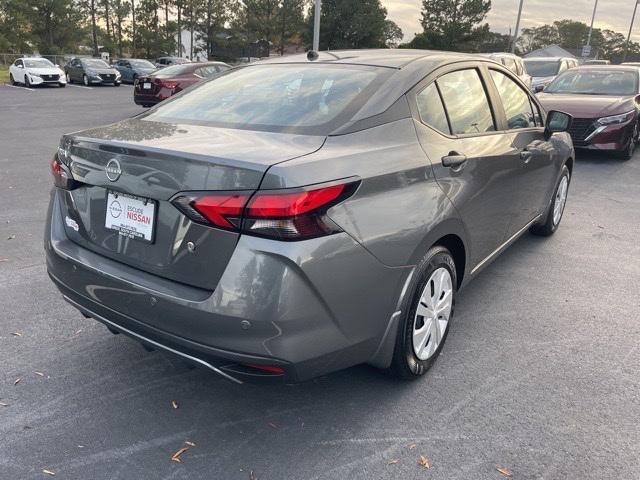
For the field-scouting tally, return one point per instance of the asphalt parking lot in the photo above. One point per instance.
(539, 376)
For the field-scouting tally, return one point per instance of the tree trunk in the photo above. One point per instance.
(94, 33)
(179, 29)
(166, 23)
(284, 26)
(133, 28)
(106, 16)
(191, 28)
(208, 31)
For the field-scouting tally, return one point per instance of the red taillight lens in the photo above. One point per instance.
(223, 210)
(283, 214)
(62, 177)
(168, 84)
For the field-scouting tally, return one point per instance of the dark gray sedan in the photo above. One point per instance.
(132, 68)
(305, 214)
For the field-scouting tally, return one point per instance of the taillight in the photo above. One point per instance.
(62, 176)
(168, 84)
(281, 214)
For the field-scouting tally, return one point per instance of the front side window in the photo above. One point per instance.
(431, 109)
(466, 102)
(294, 98)
(19, 63)
(516, 102)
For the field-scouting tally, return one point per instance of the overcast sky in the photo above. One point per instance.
(611, 14)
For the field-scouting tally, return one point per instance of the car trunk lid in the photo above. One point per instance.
(151, 162)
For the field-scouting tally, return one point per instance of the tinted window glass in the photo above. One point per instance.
(38, 63)
(174, 70)
(95, 63)
(466, 102)
(273, 97)
(516, 102)
(431, 109)
(207, 71)
(540, 68)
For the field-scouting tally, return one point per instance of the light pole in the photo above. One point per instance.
(515, 34)
(593, 17)
(626, 45)
(316, 26)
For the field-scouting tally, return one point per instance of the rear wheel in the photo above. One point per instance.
(117, 84)
(425, 325)
(554, 216)
(85, 80)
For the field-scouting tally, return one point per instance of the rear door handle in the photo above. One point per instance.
(525, 156)
(454, 160)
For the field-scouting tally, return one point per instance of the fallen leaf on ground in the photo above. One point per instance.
(174, 404)
(17, 381)
(176, 456)
(77, 332)
(4, 260)
(424, 462)
(48, 472)
(191, 444)
(2, 404)
(393, 462)
(505, 471)
(252, 476)
(273, 425)
(80, 446)
(40, 374)
(11, 237)
(16, 334)
(412, 446)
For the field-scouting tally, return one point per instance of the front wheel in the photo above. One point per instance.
(12, 81)
(627, 153)
(117, 84)
(68, 78)
(62, 85)
(85, 80)
(554, 216)
(27, 82)
(424, 328)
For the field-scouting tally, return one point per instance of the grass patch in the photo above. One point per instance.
(4, 75)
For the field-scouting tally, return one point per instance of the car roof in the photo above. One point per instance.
(384, 57)
(608, 68)
(411, 66)
(548, 59)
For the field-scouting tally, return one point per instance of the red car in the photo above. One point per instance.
(604, 101)
(168, 81)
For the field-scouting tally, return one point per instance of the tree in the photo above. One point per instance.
(291, 20)
(354, 24)
(452, 24)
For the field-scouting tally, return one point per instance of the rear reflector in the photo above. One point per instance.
(282, 214)
(62, 177)
(267, 368)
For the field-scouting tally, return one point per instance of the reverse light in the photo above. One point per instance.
(293, 214)
(616, 119)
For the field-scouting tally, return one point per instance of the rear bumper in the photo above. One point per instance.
(140, 99)
(308, 307)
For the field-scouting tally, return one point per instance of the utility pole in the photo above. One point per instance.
(593, 17)
(316, 26)
(626, 45)
(515, 35)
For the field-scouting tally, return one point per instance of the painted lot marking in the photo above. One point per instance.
(21, 88)
(79, 86)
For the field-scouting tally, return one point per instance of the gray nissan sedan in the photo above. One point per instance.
(305, 214)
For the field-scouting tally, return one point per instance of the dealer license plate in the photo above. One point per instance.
(130, 216)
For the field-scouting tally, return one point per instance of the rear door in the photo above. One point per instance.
(470, 157)
(528, 148)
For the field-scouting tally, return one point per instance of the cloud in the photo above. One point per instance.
(611, 14)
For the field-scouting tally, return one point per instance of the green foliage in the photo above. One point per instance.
(453, 25)
(354, 24)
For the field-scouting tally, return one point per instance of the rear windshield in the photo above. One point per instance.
(38, 63)
(542, 69)
(298, 98)
(595, 82)
(174, 70)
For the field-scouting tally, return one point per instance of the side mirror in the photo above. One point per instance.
(557, 122)
(539, 88)
(20, 66)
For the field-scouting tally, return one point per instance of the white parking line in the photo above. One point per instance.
(79, 86)
(21, 88)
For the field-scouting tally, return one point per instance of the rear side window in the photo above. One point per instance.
(431, 109)
(466, 102)
(516, 102)
(510, 63)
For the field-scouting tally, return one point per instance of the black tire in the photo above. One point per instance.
(548, 226)
(85, 80)
(11, 79)
(116, 84)
(134, 78)
(627, 153)
(405, 364)
(27, 82)
(62, 85)
(69, 80)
